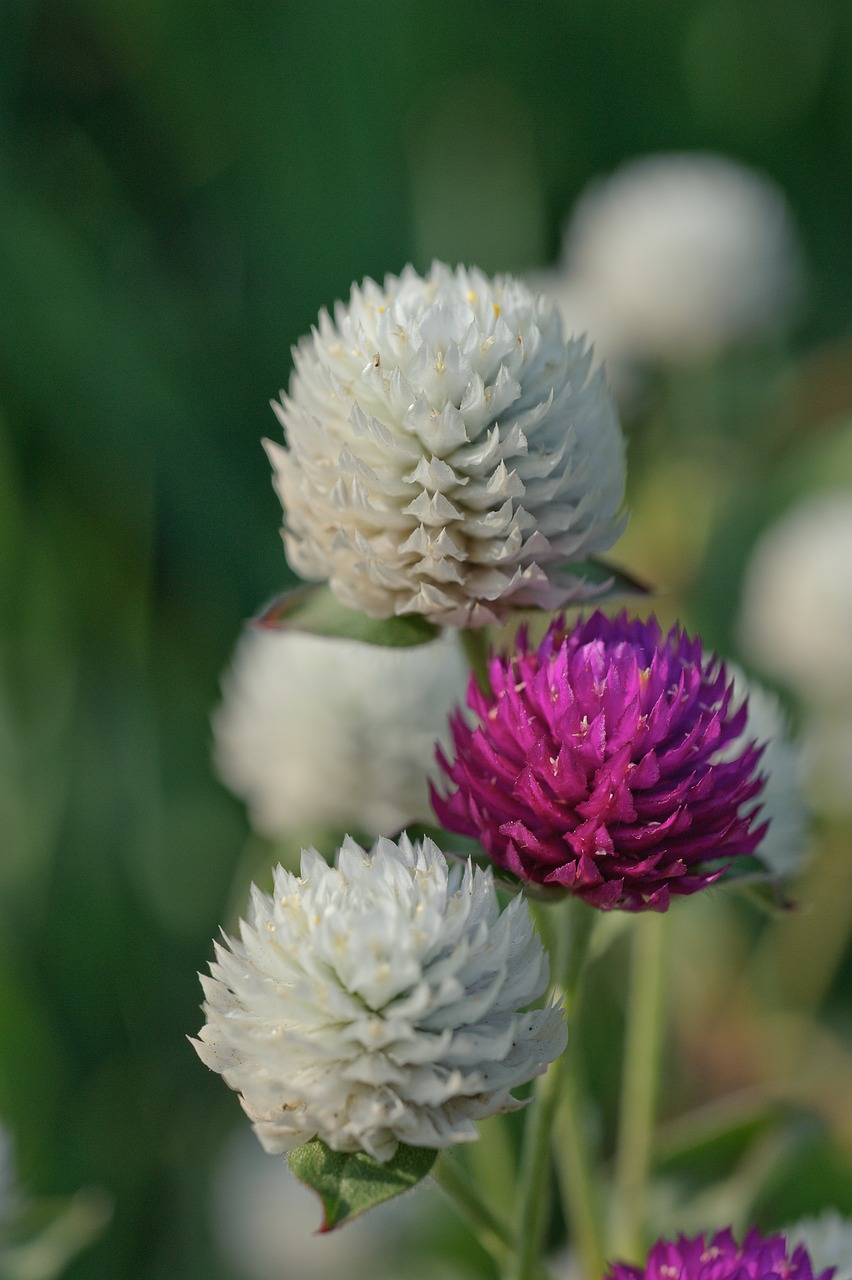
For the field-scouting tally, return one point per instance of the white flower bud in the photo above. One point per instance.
(448, 453)
(318, 732)
(379, 1002)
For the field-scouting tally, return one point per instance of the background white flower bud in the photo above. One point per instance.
(379, 1002)
(448, 453)
(684, 255)
(796, 612)
(316, 732)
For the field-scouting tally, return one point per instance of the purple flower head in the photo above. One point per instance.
(597, 764)
(721, 1258)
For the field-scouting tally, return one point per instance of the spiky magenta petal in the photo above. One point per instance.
(595, 765)
(721, 1258)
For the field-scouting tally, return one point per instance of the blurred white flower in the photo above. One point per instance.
(319, 732)
(684, 255)
(378, 1002)
(828, 1240)
(448, 453)
(796, 611)
(785, 846)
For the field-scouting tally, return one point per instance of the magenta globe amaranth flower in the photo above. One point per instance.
(721, 1258)
(606, 763)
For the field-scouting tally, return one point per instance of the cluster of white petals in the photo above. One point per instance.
(683, 255)
(316, 732)
(448, 453)
(378, 1001)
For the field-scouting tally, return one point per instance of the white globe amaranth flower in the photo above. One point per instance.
(828, 1239)
(378, 1002)
(314, 731)
(448, 452)
(796, 610)
(685, 254)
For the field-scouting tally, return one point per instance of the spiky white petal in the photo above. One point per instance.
(317, 732)
(685, 254)
(448, 453)
(378, 1002)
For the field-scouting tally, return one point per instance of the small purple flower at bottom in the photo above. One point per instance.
(602, 764)
(721, 1258)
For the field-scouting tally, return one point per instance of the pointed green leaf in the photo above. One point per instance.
(607, 579)
(317, 611)
(350, 1183)
(752, 876)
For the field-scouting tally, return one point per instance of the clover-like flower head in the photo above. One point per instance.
(448, 452)
(378, 1002)
(721, 1258)
(600, 764)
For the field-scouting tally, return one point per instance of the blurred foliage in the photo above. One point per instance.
(183, 186)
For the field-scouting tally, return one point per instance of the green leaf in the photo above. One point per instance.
(608, 579)
(350, 1183)
(751, 876)
(316, 611)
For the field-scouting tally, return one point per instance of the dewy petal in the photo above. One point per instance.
(378, 1001)
(451, 404)
(612, 762)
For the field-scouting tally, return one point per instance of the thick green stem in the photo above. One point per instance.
(567, 958)
(639, 1085)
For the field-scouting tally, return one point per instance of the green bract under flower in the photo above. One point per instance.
(447, 451)
(378, 1002)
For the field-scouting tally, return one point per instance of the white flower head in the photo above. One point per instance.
(828, 1240)
(796, 612)
(448, 452)
(685, 255)
(378, 1002)
(315, 731)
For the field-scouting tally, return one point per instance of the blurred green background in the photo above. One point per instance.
(183, 185)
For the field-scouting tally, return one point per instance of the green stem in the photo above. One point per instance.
(567, 958)
(639, 1084)
(576, 1178)
(492, 1233)
(474, 641)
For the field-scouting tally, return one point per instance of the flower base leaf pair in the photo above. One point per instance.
(349, 1183)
